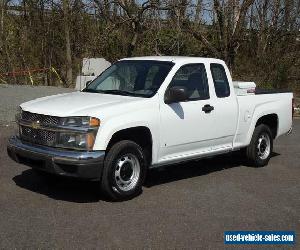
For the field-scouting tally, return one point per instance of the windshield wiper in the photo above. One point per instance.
(114, 92)
(118, 92)
(122, 92)
(92, 90)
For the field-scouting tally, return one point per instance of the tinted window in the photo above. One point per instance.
(132, 77)
(193, 77)
(220, 80)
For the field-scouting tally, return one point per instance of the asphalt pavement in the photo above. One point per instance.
(187, 206)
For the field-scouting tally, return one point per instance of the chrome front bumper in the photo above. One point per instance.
(81, 164)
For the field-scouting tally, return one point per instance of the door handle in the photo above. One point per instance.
(207, 108)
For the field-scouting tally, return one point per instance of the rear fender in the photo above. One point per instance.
(260, 110)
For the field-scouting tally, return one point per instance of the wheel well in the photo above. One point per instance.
(271, 121)
(140, 135)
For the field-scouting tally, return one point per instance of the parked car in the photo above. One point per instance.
(146, 112)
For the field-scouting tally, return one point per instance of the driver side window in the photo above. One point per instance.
(193, 77)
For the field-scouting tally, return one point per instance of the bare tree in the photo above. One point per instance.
(66, 24)
(259, 39)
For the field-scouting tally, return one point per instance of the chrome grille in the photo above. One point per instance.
(37, 135)
(43, 119)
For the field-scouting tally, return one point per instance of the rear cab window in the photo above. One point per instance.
(221, 83)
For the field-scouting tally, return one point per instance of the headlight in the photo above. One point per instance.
(78, 140)
(80, 121)
(84, 141)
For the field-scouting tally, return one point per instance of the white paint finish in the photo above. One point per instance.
(258, 106)
(187, 131)
(244, 88)
(75, 104)
(142, 112)
(243, 85)
(184, 128)
(226, 113)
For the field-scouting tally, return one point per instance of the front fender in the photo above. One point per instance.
(106, 131)
(144, 117)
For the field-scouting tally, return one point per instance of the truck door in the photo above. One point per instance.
(186, 127)
(226, 107)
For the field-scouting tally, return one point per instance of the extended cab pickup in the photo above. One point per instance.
(146, 112)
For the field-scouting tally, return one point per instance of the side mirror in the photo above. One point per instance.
(175, 94)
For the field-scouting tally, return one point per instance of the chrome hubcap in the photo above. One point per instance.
(127, 172)
(263, 146)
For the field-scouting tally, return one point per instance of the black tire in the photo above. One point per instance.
(111, 183)
(261, 135)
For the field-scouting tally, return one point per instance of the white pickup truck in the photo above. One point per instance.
(146, 112)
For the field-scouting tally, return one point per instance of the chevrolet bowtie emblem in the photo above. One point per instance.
(36, 125)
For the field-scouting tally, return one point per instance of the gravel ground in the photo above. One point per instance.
(11, 96)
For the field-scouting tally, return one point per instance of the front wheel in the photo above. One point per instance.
(260, 148)
(124, 171)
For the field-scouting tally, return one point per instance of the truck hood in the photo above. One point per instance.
(75, 103)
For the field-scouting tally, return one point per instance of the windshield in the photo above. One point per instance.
(131, 77)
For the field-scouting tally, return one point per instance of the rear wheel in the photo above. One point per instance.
(259, 151)
(124, 171)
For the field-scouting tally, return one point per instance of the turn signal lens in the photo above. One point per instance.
(94, 122)
(90, 139)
